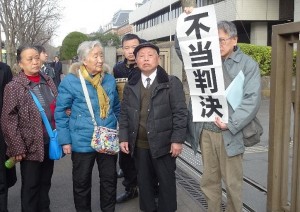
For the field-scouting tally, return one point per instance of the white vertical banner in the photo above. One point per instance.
(198, 38)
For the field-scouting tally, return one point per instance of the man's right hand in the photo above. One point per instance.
(188, 10)
(124, 147)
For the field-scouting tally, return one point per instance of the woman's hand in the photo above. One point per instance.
(67, 148)
(18, 158)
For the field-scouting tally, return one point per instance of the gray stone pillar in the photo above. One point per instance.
(297, 11)
(110, 53)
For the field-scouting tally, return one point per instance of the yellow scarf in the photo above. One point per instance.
(96, 81)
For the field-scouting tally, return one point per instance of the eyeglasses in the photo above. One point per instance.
(223, 41)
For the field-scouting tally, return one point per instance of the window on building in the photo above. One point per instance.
(208, 2)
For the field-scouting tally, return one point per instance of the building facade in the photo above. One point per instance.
(156, 19)
(119, 24)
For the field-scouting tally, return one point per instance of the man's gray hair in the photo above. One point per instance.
(228, 27)
(85, 48)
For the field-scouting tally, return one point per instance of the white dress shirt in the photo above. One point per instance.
(152, 77)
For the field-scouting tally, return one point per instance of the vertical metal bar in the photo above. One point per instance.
(295, 191)
(287, 100)
(276, 123)
(283, 37)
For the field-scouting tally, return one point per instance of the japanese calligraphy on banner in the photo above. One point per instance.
(198, 38)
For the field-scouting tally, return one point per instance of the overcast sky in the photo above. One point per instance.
(87, 16)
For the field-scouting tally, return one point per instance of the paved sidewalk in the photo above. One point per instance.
(62, 197)
(255, 167)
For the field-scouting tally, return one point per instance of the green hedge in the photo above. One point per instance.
(261, 54)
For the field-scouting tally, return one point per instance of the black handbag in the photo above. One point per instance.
(252, 133)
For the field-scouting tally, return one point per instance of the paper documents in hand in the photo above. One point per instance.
(234, 92)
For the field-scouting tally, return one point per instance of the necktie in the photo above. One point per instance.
(148, 82)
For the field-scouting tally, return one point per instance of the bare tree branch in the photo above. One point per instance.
(28, 21)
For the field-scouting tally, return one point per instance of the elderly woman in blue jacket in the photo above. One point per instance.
(76, 129)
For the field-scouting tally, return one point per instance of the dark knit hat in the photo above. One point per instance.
(143, 45)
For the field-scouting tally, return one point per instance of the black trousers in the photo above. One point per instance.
(126, 163)
(3, 185)
(8, 177)
(83, 164)
(148, 169)
(36, 182)
(3, 188)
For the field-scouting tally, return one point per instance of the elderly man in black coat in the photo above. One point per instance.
(7, 176)
(153, 122)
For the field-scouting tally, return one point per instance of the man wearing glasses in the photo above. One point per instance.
(221, 144)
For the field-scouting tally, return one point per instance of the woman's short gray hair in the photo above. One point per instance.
(228, 27)
(85, 48)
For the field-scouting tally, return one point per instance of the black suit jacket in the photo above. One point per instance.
(5, 77)
(58, 72)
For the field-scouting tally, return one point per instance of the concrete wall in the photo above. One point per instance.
(176, 64)
(110, 56)
(259, 33)
(256, 10)
(297, 11)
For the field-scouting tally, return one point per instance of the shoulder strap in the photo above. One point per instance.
(43, 114)
(88, 100)
(87, 97)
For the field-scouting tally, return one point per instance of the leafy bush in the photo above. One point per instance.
(261, 54)
(70, 44)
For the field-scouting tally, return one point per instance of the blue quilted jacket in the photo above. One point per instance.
(77, 129)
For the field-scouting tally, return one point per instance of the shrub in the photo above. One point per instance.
(261, 54)
(70, 44)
